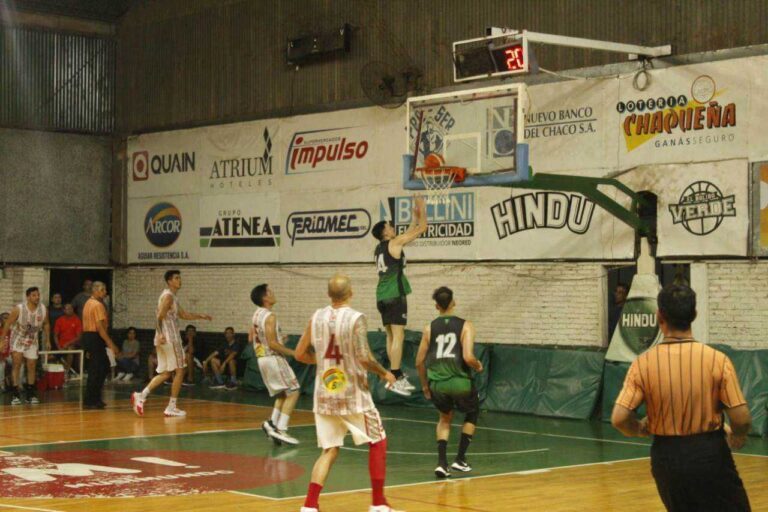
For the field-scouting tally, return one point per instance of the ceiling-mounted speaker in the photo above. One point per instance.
(307, 48)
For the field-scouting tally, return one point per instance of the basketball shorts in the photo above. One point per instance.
(170, 357)
(393, 311)
(365, 427)
(29, 350)
(467, 403)
(277, 375)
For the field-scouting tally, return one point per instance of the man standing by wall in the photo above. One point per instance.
(81, 298)
(96, 340)
(687, 386)
(24, 325)
(393, 288)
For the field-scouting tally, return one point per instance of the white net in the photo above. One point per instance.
(438, 182)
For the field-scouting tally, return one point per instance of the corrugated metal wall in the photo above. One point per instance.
(55, 81)
(192, 62)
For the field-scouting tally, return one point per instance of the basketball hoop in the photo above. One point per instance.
(439, 180)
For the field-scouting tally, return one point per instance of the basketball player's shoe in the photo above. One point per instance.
(283, 436)
(399, 387)
(382, 508)
(309, 509)
(442, 472)
(174, 412)
(407, 384)
(137, 403)
(461, 465)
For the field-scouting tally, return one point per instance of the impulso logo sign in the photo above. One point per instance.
(552, 210)
(145, 164)
(328, 224)
(638, 324)
(326, 150)
(688, 118)
(246, 172)
(702, 208)
(448, 224)
(232, 228)
(162, 227)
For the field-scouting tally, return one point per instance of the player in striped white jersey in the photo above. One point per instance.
(171, 358)
(336, 341)
(275, 371)
(23, 326)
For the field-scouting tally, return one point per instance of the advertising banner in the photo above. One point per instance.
(242, 228)
(163, 230)
(703, 208)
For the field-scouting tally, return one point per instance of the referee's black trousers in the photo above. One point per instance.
(98, 367)
(696, 473)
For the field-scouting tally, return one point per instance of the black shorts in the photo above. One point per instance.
(393, 311)
(469, 403)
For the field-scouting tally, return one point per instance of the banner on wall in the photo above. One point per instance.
(761, 241)
(691, 113)
(569, 127)
(163, 230)
(243, 228)
(702, 208)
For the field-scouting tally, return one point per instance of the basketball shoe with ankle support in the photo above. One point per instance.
(283, 436)
(442, 471)
(382, 508)
(309, 509)
(461, 465)
(174, 412)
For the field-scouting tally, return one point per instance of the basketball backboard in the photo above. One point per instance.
(480, 130)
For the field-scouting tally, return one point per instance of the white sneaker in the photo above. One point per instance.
(442, 472)
(407, 384)
(398, 388)
(267, 428)
(283, 436)
(461, 465)
(137, 403)
(382, 508)
(119, 377)
(128, 377)
(175, 412)
(308, 509)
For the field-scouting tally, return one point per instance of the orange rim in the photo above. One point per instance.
(458, 173)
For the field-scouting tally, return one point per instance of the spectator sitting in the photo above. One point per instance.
(56, 310)
(67, 332)
(128, 363)
(224, 358)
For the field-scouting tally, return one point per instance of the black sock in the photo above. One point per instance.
(397, 373)
(442, 451)
(463, 445)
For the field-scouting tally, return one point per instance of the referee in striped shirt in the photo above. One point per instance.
(686, 387)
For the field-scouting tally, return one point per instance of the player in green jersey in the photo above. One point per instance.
(445, 356)
(393, 287)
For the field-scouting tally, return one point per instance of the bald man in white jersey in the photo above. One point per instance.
(171, 357)
(336, 341)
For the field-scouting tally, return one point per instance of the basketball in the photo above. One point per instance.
(433, 160)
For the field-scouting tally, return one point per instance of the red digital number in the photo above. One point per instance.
(514, 58)
(333, 352)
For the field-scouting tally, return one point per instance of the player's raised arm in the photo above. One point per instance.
(421, 358)
(303, 352)
(468, 347)
(271, 332)
(417, 227)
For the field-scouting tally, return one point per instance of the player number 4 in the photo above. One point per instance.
(380, 266)
(333, 352)
(445, 344)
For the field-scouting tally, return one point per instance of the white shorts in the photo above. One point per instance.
(277, 375)
(170, 358)
(29, 351)
(365, 427)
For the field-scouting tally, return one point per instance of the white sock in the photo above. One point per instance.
(172, 403)
(282, 423)
(144, 393)
(275, 416)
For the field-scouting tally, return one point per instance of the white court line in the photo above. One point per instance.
(19, 507)
(432, 454)
(465, 479)
(253, 495)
